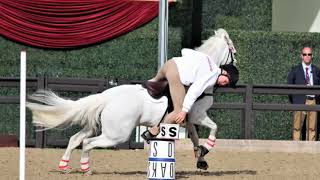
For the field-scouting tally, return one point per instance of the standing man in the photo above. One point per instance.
(308, 74)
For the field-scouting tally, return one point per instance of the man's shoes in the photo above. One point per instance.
(147, 136)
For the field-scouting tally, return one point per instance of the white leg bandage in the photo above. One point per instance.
(211, 141)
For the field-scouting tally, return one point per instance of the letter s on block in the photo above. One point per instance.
(172, 132)
(163, 131)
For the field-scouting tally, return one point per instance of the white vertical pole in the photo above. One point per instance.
(163, 32)
(23, 58)
(162, 42)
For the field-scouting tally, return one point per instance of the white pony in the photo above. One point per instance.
(117, 111)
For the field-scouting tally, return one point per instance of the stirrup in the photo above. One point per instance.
(147, 136)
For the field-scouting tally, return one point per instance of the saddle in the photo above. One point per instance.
(161, 88)
(156, 89)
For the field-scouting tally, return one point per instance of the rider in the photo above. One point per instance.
(197, 71)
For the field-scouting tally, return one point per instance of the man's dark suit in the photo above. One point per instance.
(297, 76)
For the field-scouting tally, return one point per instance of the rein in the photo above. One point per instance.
(232, 58)
(216, 87)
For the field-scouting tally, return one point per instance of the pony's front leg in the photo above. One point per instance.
(201, 150)
(204, 149)
(211, 141)
(201, 162)
(74, 141)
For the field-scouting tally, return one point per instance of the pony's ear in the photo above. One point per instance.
(230, 44)
(235, 62)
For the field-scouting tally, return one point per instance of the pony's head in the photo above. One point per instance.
(219, 48)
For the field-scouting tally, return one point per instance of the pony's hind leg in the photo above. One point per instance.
(198, 150)
(88, 145)
(74, 141)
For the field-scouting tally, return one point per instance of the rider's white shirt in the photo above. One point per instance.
(199, 71)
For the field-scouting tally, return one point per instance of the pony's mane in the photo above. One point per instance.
(219, 39)
(211, 44)
(217, 46)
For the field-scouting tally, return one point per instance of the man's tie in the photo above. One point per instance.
(307, 76)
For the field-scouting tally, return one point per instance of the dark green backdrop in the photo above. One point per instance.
(264, 57)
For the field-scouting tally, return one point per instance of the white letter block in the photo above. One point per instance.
(169, 131)
(161, 160)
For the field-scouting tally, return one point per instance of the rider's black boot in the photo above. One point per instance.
(147, 136)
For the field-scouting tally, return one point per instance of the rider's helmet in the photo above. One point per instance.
(233, 74)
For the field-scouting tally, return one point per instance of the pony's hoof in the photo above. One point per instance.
(65, 169)
(202, 165)
(87, 173)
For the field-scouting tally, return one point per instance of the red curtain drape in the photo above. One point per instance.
(72, 23)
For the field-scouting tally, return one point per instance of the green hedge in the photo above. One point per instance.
(133, 56)
(264, 58)
(237, 14)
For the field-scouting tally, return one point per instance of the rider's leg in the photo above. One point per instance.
(177, 91)
(161, 75)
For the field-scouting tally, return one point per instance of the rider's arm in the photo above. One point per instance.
(199, 86)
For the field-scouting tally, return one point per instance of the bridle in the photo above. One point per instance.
(232, 58)
(230, 47)
(230, 54)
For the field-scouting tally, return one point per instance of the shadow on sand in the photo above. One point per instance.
(179, 174)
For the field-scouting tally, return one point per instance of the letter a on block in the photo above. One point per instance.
(163, 169)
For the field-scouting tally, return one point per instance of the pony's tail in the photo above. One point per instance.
(52, 111)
